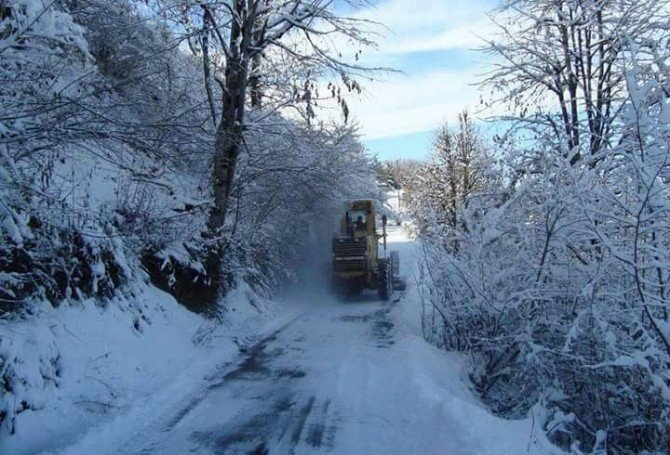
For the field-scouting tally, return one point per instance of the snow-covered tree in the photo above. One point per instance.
(559, 65)
(263, 53)
(459, 168)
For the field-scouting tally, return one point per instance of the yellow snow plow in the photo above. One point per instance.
(358, 262)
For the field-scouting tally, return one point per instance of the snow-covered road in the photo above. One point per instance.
(346, 378)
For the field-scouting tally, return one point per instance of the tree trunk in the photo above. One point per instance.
(229, 135)
(227, 146)
(226, 151)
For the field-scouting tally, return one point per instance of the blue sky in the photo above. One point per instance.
(432, 42)
(410, 145)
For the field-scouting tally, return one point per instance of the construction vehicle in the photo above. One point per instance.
(358, 262)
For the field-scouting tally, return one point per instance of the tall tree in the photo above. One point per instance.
(456, 171)
(444, 170)
(245, 45)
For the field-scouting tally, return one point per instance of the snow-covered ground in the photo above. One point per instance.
(86, 370)
(331, 377)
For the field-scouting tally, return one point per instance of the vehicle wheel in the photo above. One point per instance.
(395, 263)
(385, 280)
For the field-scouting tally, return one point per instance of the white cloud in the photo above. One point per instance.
(465, 37)
(430, 25)
(430, 91)
(413, 103)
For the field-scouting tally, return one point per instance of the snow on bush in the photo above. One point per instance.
(556, 283)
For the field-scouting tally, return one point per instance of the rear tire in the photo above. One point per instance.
(385, 280)
(395, 263)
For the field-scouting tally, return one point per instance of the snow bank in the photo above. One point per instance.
(80, 363)
(87, 370)
(442, 398)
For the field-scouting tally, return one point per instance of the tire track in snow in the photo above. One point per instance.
(138, 443)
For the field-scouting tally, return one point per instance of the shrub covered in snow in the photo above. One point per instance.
(555, 281)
